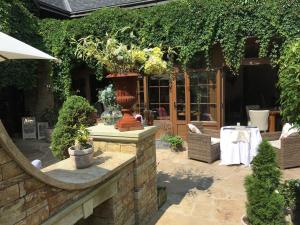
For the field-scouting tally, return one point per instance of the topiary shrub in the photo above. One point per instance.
(75, 111)
(265, 205)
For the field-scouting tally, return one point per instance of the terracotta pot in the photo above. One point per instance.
(81, 158)
(126, 85)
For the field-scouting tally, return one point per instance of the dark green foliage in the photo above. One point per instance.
(191, 27)
(175, 141)
(290, 190)
(76, 111)
(265, 204)
(17, 21)
(289, 83)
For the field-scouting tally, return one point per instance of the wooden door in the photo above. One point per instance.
(204, 90)
(179, 103)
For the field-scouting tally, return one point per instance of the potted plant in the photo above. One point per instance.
(124, 64)
(111, 112)
(81, 154)
(175, 142)
(265, 204)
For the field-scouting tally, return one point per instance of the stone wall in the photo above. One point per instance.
(145, 188)
(118, 189)
(26, 201)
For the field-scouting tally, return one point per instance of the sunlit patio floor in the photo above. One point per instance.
(201, 193)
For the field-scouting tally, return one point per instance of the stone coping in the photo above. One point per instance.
(57, 176)
(104, 166)
(108, 132)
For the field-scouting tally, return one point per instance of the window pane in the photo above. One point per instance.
(159, 101)
(203, 96)
(154, 81)
(154, 94)
(180, 97)
(164, 81)
(164, 95)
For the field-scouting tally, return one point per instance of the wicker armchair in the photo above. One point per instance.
(200, 146)
(287, 149)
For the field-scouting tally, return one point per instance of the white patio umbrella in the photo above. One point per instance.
(11, 48)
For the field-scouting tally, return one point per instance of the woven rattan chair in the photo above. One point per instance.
(200, 146)
(287, 149)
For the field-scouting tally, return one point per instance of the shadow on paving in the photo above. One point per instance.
(178, 186)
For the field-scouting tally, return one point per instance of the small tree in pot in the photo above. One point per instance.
(265, 204)
(81, 153)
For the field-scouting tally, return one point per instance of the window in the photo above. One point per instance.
(203, 96)
(159, 101)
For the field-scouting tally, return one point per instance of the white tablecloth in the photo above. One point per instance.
(236, 150)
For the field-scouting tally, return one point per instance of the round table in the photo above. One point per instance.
(239, 144)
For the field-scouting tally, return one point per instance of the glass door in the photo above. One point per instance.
(205, 97)
(180, 110)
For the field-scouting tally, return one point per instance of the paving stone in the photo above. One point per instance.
(201, 193)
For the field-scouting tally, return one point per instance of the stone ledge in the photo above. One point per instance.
(107, 132)
(105, 165)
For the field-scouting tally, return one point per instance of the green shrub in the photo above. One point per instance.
(265, 204)
(289, 83)
(175, 141)
(290, 190)
(76, 111)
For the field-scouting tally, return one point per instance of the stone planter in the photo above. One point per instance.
(126, 85)
(81, 158)
(244, 220)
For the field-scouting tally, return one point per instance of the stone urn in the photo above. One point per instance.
(126, 87)
(81, 158)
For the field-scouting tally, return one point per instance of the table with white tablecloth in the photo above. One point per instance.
(239, 144)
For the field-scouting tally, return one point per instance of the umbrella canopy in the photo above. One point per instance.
(11, 48)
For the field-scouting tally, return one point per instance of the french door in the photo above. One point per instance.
(189, 96)
(196, 96)
(179, 104)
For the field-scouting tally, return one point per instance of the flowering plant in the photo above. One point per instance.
(120, 58)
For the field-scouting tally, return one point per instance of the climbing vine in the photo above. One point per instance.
(190, 27)
(17, 21)
(289, 83)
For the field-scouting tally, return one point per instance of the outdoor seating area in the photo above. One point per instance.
(234, 145)
(165, 112)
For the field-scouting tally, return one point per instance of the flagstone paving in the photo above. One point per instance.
(201, 193)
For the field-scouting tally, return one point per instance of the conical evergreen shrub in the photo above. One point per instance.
(265, 206)
(75, 111)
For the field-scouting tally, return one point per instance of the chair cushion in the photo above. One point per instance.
(194, 129)
(288, 130)
(215, 140)
(275, 144)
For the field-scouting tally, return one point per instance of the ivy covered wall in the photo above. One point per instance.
(188, 26)
(17, 21)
